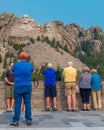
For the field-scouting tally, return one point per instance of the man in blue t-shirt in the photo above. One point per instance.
(50, 86)
(22, 88)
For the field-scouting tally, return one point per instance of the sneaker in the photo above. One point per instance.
(99, 109)
(8, 109)
(88, 109)
(54, 108)
(29, 123)
(47, 109)
(68, 110)
(14, 123)
(95, 109)
(83, 110)
(74, 110)
(11, 109)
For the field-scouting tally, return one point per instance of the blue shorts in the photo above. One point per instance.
(50, 91)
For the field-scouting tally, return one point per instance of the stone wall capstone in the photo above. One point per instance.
(38, 100)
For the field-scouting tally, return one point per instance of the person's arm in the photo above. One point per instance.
(34, 71)
(80, 80)
(7, 81)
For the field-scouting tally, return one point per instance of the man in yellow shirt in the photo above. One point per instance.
(69, 76)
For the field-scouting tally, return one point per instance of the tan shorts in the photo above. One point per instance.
(70, 88)
(9, 91)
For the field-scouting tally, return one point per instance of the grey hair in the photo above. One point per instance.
(49, 65)
(70, 63)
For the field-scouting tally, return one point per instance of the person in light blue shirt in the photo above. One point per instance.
(22, 88)
(96, 90)
(50, 86)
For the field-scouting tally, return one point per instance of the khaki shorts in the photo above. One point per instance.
(70, 88)
(9, 91)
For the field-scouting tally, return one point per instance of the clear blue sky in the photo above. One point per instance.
(85, 13)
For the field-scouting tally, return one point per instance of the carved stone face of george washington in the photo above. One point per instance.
(25, 19)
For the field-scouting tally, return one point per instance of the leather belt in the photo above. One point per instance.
(71, 82)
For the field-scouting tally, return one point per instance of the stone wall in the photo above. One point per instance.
(38, 101)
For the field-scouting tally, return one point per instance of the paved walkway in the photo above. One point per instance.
(59, 120)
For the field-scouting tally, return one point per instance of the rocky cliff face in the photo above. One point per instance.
(42, 53)
(72, 34)
(21, 30)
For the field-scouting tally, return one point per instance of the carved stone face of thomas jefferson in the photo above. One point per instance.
(25, 19)
(32, 22)
(48, 28)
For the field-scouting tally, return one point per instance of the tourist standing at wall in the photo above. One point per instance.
(9, 79)
(35, 78)
(58, 74)
(22, 88)
(69, 77)
(50, 86)
(96, 90)
(85, 88)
